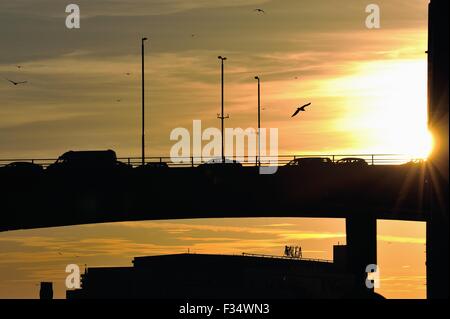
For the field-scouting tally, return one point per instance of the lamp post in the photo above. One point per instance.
(143, 107)
(221, 116)
(259, 119)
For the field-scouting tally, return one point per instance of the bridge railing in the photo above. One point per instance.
(288, 258)
(39, 161)
(281, 160)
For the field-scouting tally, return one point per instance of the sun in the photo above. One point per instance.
(390, 98)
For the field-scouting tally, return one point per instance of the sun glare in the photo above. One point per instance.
(391, 102)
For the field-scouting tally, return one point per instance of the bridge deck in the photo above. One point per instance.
(81, 197)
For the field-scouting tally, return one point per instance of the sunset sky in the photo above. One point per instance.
(367, 88)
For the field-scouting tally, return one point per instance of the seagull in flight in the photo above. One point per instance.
(259, 11)
(15, 83)
(300, 109)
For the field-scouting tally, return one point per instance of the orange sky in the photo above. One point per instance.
(367, 88)
(28, 257)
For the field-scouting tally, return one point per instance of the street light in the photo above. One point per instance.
(221, 116)
(143, 108)
(259, 119)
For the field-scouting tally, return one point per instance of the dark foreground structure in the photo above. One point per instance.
(361, 195)
(437, 173)
(184, 276)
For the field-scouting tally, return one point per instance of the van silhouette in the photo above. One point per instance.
(87, 160)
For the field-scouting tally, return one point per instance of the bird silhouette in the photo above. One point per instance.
(14, 82)
(301, 109)
(258, 10)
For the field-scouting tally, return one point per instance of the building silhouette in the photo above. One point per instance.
(206, 276)
(46, 290)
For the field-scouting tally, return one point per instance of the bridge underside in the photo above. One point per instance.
(83, 197)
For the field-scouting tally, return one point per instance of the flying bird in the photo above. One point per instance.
(300, 109)
(259, 11)
(15, 83)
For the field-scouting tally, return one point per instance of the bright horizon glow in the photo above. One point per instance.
(392, 116)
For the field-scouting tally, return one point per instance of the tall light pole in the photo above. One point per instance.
(259, 120)
(221, 116)
(143, 99)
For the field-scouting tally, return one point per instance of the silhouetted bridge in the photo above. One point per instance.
(359, 193)
(70, 197)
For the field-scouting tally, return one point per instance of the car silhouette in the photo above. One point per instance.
(310, 162)
(416, 162)
(22, 168)
(155, 165)
(220, 163)
(352, 161)
(219, 172)
(87, 160)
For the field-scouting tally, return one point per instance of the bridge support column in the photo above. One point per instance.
(437, 255)
(437, 172)
(361, 250)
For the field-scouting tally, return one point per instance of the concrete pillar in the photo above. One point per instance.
(361, 250)
(437, 166)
